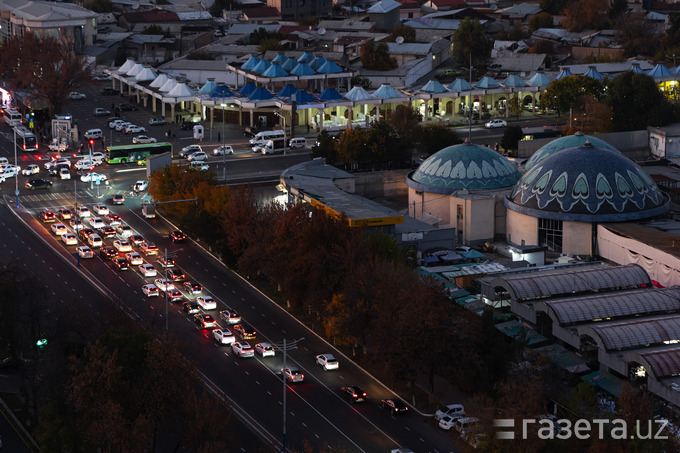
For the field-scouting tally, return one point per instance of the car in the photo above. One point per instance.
(191, 307)
(198, 156)
(175, 274)
(187, 150)
(58, 229)
(100, 209)
(199, 165)
(140, 186)
(126, 108)
(292, 374)
(205, 321)
(242, 349)
(265, 349)
(496, 123)
(134, 129)
(2, 178)
(136, 239)
(189, 125)
(85, 233)
(124, 231)
(65, 214)
(147, 270)
(157, 122)
(107, 231)
(223, 336)
(64, 173)
(94, 177)
(150, 290)
(76, 224)
(206, 302)
(96, 222)
(122, 245)
(121, 264)
(451, 409)
(164, 284)
(83, 212)
(134, 258)
(118, 199)
(56, 162)
(101, 112)
(31, 169)
(177, 236)
(108, 253)
(394, 405)
(58, 144)
(327, 362)
(34, 184)
(166, 262)
(47, 215)
(85, 252)
(354, 393)
(175, 295)
(119, 127)
(222, 150)
(245, 331)
(149, 248)
(465, 425)
(193, 287)
(143, 139)
(75, 96)
(451, 72)
(108, 92)
(113, 124)
(57, 171)
(230, 316)
(69, 239)
(447, 422)
(113, 219)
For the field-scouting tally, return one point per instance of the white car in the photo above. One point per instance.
(85, 252)
(149, 248)
(32, 169)
(223, 336)
(197, 156)
(242, 349)
(114, 123)
(64, 173)
(327, 361)
(495, 123)
(124, 231)
(164, 284)
(96, 222)
(56, 162)
(230, 316)
(150, 290)
(100, 209)
(222, 150)
(451, 409)
(147, 270)
(93, 176)
(447, 422)
(143, 139)
(140, 186)
(134, 258)
(292, 374)
(134, 129)
(265, 349)
(59, 229)
(74, 95)
(206, 302)
(8, 172)
(76, 224)
(190, 149)
(69, 239)
(122, 126)
(122, 245)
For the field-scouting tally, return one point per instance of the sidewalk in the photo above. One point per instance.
(443, 393)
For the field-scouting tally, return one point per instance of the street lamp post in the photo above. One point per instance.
(285, 347)
(224, 152)
(284, 130)
(16, 169)
(168, 255)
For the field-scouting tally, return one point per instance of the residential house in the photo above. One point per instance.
(385, 15)
(410, 9)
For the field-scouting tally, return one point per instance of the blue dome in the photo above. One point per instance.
(588, 184)
(569, 141)
(464, 166)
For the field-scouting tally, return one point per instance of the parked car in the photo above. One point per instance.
(157, 122)
(126, 108)
(108, 92)
(101, 112)
(74, 96)
(451, 409)
(495, 123)
(134, 129)
(143, 139)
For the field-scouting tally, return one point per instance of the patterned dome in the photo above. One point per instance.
(588, 184)
(464, 166)
(569, 141)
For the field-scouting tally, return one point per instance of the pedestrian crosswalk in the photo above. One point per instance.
(54, 196)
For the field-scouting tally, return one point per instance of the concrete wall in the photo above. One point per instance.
(381, 184)
(577, 238)
(521, 227)
(623, 141)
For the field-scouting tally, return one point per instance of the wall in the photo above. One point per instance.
(381, 184)
(521, 227)
(583, 53)
(623, 141)
(577, 238)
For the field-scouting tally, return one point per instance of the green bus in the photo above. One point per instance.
(136, 153)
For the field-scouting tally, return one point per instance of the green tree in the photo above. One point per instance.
(568, 93)
(269, 44)
(406, 32)
(154, 29)
(99, 6)
(261, 34)
(554, 7)
(515, 106)
(541, 20)
(325, 147)
(377, 57)
(470, 39)
(637, 103)
(511, 137)
(363, 82)
(436, 137)
(405, 121)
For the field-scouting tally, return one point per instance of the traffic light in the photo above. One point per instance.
(91, 142)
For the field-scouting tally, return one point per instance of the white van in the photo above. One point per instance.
(94, 133)
(274, 146)
(298, 142)
(94, 240)
(85, 164)
(261, 138)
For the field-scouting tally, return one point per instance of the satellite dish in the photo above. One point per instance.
(321, 31)
(493, 7)
(399, 40)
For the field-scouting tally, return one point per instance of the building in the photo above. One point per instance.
(298, 9)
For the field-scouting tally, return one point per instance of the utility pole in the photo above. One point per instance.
(284, 347)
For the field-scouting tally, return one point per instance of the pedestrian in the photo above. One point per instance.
(169, 133)
(308, 128)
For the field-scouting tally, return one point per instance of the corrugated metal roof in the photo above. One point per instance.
(663, 363)
(638, 333)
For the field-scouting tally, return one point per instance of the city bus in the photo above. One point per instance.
(26, 140)
(136, 153)
(12, 117)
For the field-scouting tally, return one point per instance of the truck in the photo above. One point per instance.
(149, 211)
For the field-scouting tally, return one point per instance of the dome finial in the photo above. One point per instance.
(579, 133)
(467, 141)
(587, 144)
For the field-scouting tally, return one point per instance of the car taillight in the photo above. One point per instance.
(354, 395)
(363, 394)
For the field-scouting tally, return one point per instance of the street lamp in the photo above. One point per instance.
(224, 152)
(16, 169)
(285, 347)
(284, 130)
(168, 255)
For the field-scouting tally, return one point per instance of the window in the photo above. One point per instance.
(550, 234)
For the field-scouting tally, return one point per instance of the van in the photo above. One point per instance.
(298, 142)
(85, 164)
(261, 138)
(465, 425)
(94, 134)
(94, 240)
(199, 165)
(274, 146)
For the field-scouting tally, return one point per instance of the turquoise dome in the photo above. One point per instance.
(569, 141)
(465, 166)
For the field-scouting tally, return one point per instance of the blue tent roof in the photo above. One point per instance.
(260, 94)
(275, 70)
(305, 57)
(246, 89)
(660, 70)
(329, 67)
(261, 67)
(358, 93)
(289, 64)
(251, 63)
(317, 62)
(387, 92)
(564, 72)
(433, 86)
(638, 70)
(487, 82)
(460, 85)
(286, 91)
(221, 91)
(514, 81)
(539, 79)
(594, 73)
(208, 88)
(302, 69)
(280, 58)
(302, 97)
(329, 94)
